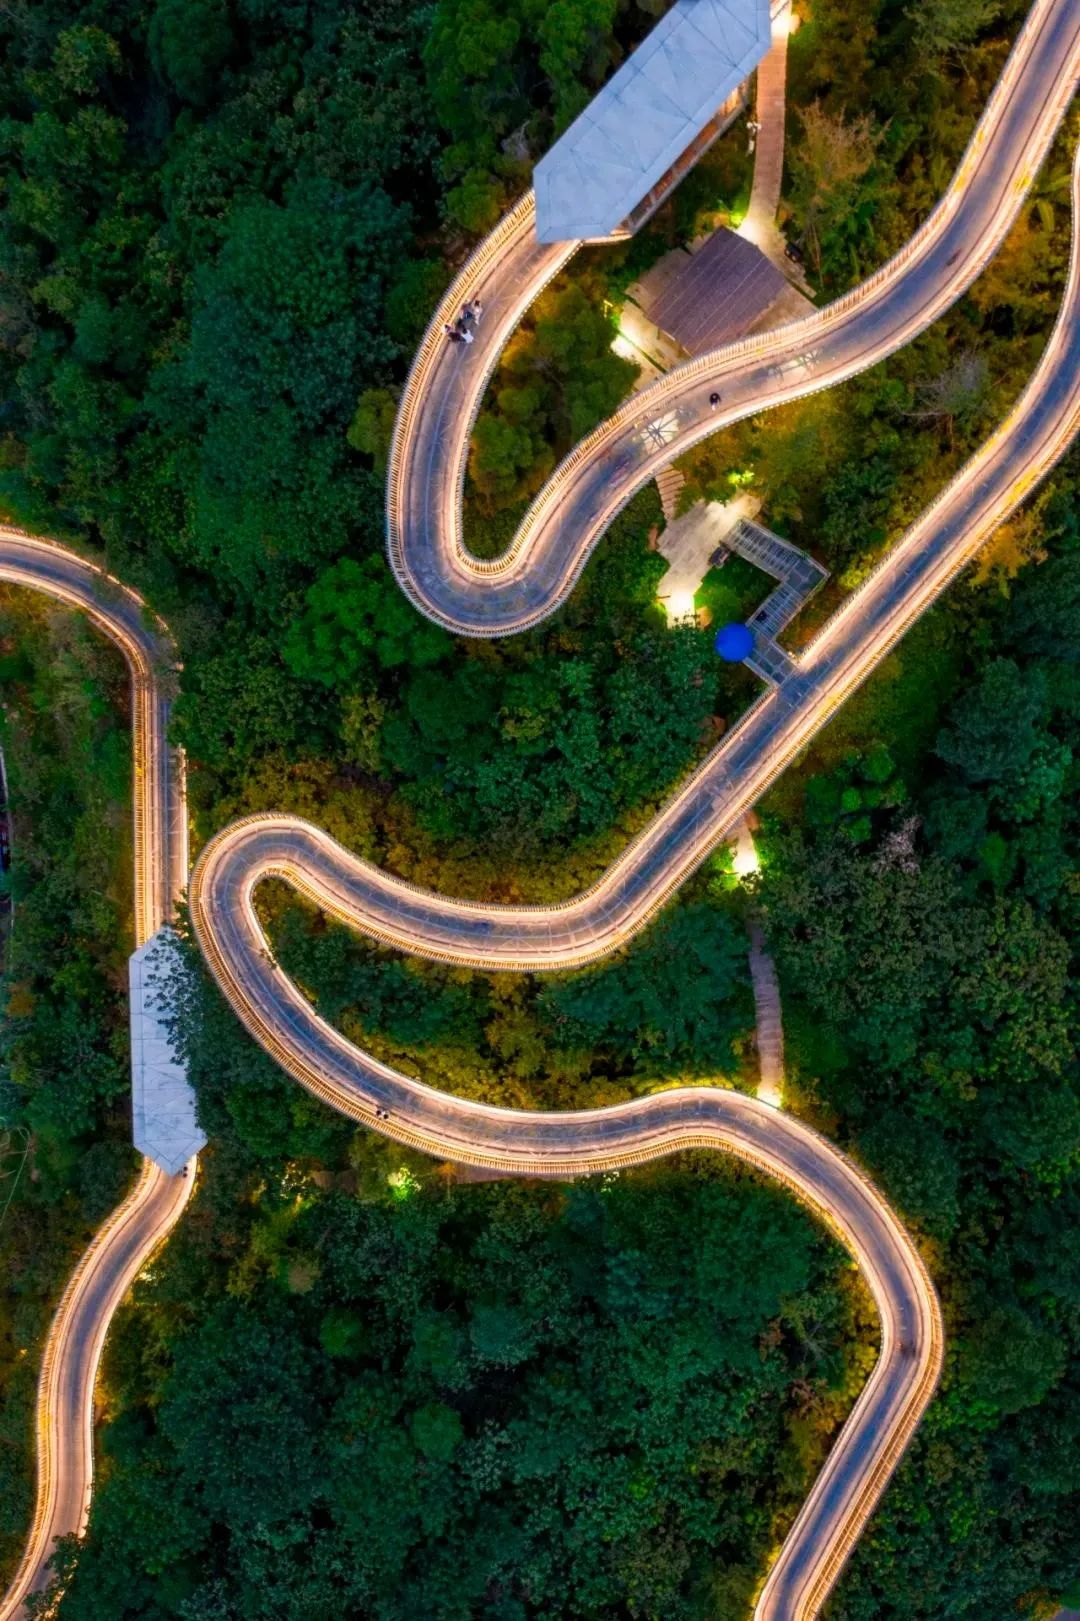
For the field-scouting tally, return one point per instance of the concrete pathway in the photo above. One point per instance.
(768, 1019)
(770, 113)
(688, 543)
(424, 539)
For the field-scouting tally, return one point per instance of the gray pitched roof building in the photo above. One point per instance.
(658, 104)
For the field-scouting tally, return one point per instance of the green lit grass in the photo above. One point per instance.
(733, 591)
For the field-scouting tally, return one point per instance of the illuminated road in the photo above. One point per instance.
(122, 1245)
(731, 778)
(575, 507)
(597, 922)
(889, 1406)
(477, 599)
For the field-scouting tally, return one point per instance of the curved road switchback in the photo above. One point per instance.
(890, 1404)
(281, 1019)
(159, 807)
(121, 1247)
(474, 598)
(534, 576)
(523, 1143)
(588, 927)
(732, 777)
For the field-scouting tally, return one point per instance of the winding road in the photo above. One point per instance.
(125, 1241)
(445, 388)
(491, 599)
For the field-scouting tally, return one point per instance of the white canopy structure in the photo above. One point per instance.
(635, 130)
(166, 1129)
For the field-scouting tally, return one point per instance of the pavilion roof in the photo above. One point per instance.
(646, 116)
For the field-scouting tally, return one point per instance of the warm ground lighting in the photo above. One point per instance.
(622, 346)
(784, 23)
(483, 598)
(679, 606)
(745, 861)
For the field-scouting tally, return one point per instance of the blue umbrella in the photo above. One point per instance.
(733, 642)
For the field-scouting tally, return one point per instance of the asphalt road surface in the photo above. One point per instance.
(576, 506)
(472, 598)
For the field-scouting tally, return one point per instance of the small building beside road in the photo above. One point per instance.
(721, 289)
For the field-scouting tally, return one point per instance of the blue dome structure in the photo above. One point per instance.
(734, 642)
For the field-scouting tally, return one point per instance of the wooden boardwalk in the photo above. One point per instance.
(770, 112)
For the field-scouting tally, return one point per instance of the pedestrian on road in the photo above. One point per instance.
(477, 310)
(714, 401)
(466, 316)
(453, 334)
(465, 334)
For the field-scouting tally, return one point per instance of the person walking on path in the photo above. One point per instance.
(714, 401)
(453, 334)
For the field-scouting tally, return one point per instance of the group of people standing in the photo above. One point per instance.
(462, 329)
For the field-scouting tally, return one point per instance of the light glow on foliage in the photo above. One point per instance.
(402, 1183)
(745, 860)
(679, 605)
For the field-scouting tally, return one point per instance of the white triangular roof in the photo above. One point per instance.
(646, 116)
(165, 1126)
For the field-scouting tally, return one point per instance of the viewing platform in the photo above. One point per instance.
(713, 530)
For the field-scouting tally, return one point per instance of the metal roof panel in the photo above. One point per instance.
(646, 116)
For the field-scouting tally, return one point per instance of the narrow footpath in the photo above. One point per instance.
(770, 113)
(770, 1027)
(768, 1018)
(5, 863)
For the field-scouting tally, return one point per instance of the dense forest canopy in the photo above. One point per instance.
(361, 1387)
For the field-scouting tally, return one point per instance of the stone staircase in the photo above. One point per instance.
(670, 482)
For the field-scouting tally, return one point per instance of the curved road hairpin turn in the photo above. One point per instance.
(474, 597)
(490, 599)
